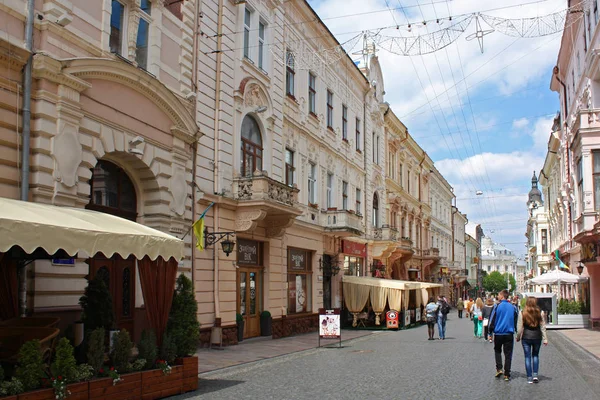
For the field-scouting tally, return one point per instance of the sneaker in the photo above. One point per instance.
(529, 380)
(498, 373)
(506, 378)
(536, 379)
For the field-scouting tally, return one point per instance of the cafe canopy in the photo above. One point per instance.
(358, 290)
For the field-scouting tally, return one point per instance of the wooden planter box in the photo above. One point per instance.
(156, 385)
(79, 391)
(42, 394)
(9, 398)
(130, 388)
(190, 373)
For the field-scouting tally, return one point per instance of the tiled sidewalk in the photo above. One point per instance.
(586, 338)
(261, 348)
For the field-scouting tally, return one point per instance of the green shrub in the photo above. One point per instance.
(1, 373)
(96, 303)
(64, 362)
(31, 367)
(265, 314)
(168, 350)
(147, 348)
(121, 351)
(11, 388)
(83, 372)
(183, 326)
(137, 365)
(95, 349)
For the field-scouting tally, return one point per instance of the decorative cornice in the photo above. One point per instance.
(45, 67)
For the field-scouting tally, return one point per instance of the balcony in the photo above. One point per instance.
(260, 198)
(342, 223)
(385, 233)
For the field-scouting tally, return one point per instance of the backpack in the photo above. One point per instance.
(445, 308)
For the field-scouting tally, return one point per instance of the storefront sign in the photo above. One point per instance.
(297, 259)
(355, 249)
(329, 325)
(248, 252)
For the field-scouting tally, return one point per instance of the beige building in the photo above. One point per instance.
(112, 129)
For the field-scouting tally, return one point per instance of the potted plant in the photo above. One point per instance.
(240, 326)
(265, 323)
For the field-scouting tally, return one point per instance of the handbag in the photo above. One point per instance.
(480, 317)
(485, 321)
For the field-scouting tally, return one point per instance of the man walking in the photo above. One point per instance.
(443, 310)
(502, 325)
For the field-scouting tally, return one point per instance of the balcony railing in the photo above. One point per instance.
(260, 187)
(386, 233)
(342, 220)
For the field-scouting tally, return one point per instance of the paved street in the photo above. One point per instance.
(405, 365)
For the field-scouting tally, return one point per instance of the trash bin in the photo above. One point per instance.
(391, 319)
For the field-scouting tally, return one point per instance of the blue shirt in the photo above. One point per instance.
(503, 320)
(430, 310)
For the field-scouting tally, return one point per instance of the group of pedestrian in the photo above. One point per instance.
(500, 321)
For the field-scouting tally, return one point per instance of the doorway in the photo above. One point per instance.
(119, 276)
(249, 283)
(327, 271)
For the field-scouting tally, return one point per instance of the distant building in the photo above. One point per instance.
(496, 257)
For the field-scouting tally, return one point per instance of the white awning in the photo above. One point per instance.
(555, 276)
(53, 228)
(389, 283)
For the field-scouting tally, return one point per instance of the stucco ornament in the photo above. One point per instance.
(246, 221)
(255, 97)
(178, 191)
(67, 154)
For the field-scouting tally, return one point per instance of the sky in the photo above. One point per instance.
(483, 118)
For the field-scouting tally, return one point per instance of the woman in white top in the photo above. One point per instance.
(476, 313)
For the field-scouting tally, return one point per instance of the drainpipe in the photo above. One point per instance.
(26, 138)
(194, 87)
(216, 190)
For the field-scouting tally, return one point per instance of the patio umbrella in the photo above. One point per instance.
(556, 277)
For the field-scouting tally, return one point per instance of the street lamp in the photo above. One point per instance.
(227, 245)
(580, 268)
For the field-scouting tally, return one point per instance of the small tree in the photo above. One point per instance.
(95, 349)
(121, 351)
(168, 350)
(96, 303)
(64, 363)
(31, 367)
(147, 348)
(1, 373)
(183, 326)
(494, 282)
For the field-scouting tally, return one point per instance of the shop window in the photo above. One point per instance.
(113, 192)
(116, 27)
(353, 266)
(252, 150)
(299, 268)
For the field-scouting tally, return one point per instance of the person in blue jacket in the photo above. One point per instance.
(503, 324)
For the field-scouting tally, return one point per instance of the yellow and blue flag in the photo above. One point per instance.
(199, 232)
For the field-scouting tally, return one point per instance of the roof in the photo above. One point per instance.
(52, 228)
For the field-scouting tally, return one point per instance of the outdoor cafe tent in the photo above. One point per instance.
(556, 276)
(31, 226)
(358, 290)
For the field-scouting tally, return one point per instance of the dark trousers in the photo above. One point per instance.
(506, 341)
(460, 313)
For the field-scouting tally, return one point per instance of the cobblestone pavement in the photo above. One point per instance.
(405, 365)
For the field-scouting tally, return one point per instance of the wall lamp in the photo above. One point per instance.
(215, 237)
(580, 268)
(329, 268)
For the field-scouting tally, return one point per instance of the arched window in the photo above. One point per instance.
(375, 211)
(112, 191)
(252, 149)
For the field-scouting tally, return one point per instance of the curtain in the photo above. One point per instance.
(158, 284)
(379, 296)
(418, 298)
(395, 299)
(406, 298)
(355, 297)
(9, 304)
(424, 296)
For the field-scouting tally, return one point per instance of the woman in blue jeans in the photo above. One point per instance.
(531, 329)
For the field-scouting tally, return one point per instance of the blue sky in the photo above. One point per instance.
(488, 131)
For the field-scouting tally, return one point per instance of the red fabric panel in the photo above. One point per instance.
(9, 304)
(158, 284)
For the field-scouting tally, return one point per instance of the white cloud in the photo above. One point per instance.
(520, 123)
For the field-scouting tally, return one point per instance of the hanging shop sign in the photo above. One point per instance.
(355, 249)
(248, 252)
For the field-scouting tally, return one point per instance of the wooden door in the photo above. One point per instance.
(249, 283)
(119, 276)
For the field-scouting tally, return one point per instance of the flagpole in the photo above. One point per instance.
(200, 217)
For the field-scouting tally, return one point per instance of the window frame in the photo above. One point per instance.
(329, 109)
(344, 122)
(344, 195)
(375, 211)
(596, 176)
(580, 183)
(329, 185)
(312, 183)
(357, 135)
(312, 94)
(262, 28)
(358, 204)
(122, 29)
(247, 29)
(307, 273)
(544, 241)
(290, 169)
(254, 154)
(290, 74)
(147, 18)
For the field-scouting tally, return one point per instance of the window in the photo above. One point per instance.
(247, 22)
(596, 12)
(408, 180)
(113, 191)
(312, 187)
(587, 26)
(375, 216)
(290, 74)
(357, 134)
(373, 146)
(261, 45)
(312, 93)
(329, 190)
(251, 146)
(393, 219)
(580, 183)
(344, 195)
(353, 266)
(330, 109)
(344, 122)
(299, 271)
(400, 175)
(358, 204)
(544, 241)
(116, 27)
(141, 46)
(289, 167)
(596, 177)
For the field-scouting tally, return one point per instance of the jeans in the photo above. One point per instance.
(531, 348)
(442, 326)
(477, 327)
(506, 341)
(460, 313)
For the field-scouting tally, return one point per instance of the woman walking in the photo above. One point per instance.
(460, 306)
(476, 313)
(486, 313)
(431, 312)
(531, 328)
